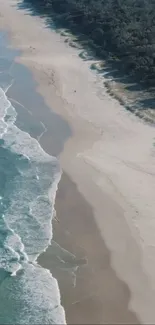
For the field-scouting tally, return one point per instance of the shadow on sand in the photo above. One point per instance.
(135, 95)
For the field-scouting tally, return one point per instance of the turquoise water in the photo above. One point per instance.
(28, 293)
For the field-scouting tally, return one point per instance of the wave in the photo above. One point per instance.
(29, 178)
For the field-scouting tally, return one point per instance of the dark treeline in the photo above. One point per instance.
(123, 30)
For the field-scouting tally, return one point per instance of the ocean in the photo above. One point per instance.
(29, 177)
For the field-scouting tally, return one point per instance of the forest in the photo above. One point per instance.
(119, 30)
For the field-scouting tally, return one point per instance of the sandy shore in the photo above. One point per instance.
(108, 207)
(99, 296)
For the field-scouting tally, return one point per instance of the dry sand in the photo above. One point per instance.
(110, 159)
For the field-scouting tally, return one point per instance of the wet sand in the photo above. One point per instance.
(105, 201)
(99, 296)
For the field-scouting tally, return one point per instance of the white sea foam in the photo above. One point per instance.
(36, 298)
(26, 228)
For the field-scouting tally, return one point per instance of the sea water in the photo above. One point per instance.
(28, 182)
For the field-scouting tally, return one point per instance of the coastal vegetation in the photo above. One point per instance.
(122, 31)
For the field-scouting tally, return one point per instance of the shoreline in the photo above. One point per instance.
(79, 287)
(109, 149)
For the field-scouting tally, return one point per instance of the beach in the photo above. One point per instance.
(105, 199)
